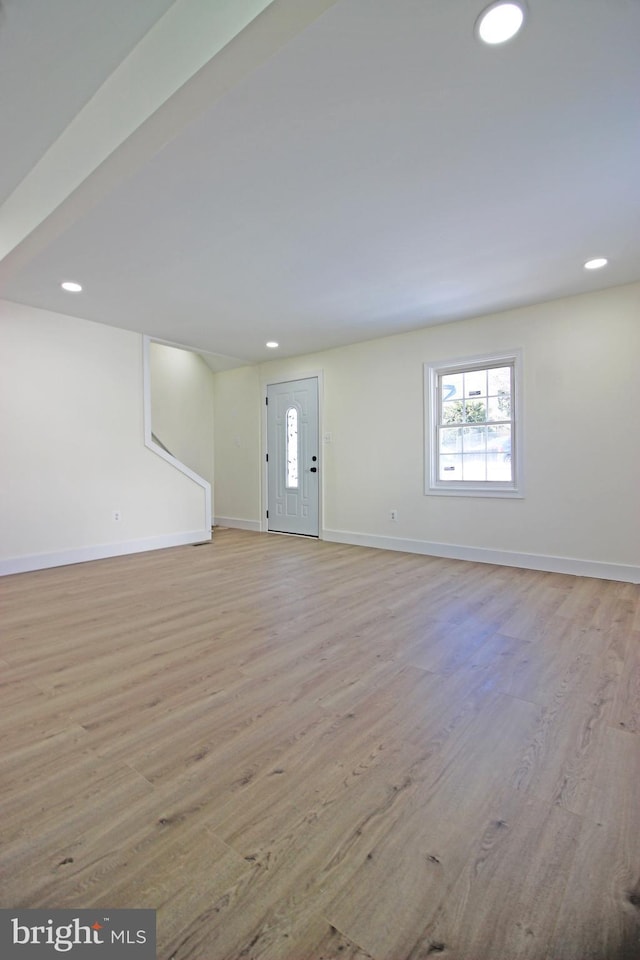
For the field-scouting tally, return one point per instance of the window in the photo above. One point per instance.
(474, 437)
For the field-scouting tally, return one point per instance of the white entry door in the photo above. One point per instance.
(293, 467)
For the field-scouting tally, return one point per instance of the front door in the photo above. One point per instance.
(293, 467)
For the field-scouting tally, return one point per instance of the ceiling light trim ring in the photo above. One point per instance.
(500, 22)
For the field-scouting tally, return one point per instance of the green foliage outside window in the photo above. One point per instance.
(461, 411)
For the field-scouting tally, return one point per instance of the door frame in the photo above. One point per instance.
(293, 374)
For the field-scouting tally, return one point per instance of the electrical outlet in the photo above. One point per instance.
(394, 514)
(116, 514)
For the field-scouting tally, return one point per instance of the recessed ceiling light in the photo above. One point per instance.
(71, 287)
(596, 263)
(272, 344)
(499, 22)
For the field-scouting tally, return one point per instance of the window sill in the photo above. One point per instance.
(509, 493)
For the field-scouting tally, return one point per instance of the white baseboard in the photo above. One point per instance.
(506, 558)
(530, 561)
(237, 524)
(41, 561)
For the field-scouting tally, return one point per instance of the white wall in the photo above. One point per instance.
(182, 406)
(72, 442)
(582, 454)
(72, 447)
(237, 402)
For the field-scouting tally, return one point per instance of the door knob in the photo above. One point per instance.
(313, 469)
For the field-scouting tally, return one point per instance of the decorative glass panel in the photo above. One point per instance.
(292, 448)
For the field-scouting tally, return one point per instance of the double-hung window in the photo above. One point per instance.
(473, 426)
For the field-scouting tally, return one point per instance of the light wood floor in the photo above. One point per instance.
(298, 750)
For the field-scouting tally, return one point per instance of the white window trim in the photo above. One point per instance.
(468, 488)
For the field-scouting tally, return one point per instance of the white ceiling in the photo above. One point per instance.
(53, 58)
(340, 170)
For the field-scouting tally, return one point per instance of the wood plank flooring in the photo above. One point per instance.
(297, 750)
